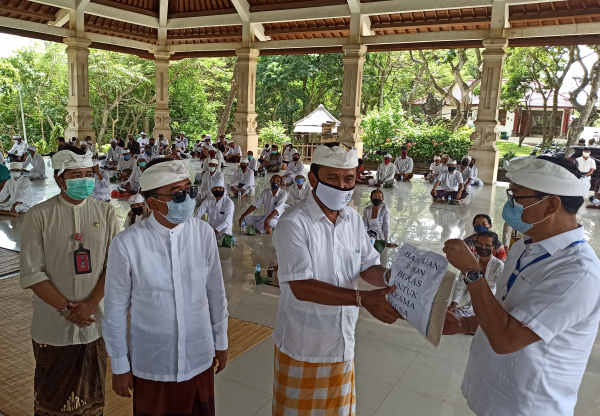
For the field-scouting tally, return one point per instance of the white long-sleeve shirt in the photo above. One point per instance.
(298, 194)
(208, 182)
(113, 154)
(295, 168)
(16, 190)
(385, 173)
(404, 165)
(102, 186)
(18, 149)
(38, 166)
(220, 214)
(175, 298)
(380, 225)
(244, 178)
(270, 202)
(236, 150)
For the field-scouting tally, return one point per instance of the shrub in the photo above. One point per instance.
(273, 133)
(388, 130)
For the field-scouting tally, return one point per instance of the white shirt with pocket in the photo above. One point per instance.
(297, 195)
(450, 181)
(585, 165)
(558, 298)
(175, 299)
(246, 179)
(404, 166)
(310, 246)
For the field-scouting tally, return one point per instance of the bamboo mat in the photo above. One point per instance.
(9, 262)
(16, 354)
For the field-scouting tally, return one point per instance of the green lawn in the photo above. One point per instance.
(505, 147)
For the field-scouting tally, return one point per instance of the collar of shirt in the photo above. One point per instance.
(559, 241)
(74, 206)
(316, 213)
(161, 229)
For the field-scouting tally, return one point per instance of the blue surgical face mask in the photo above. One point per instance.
(80, 188)
(480, 228)
(512, 215)
(126, 157)
(300, 181)
(142, 164)
(179, 212)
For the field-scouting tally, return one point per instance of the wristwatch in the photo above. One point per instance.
(471, 277)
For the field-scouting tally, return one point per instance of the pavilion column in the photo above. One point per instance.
(245, 114)
(349, 131)
(484, 138)
(162, 119)
(79, 113)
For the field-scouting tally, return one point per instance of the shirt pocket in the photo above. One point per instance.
(349, 262)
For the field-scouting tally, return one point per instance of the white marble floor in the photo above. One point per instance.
(398, 372)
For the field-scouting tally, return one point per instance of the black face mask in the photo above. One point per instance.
(218, 194)
(451, 169)
(376, 201)
(483, 252)
(137, 210)
(274, 186)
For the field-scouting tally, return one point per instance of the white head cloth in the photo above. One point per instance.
(142, 133)
(113, 141)
(163, 173)
(295, 152)
(15, 166)
(437, 158)
(388, 156)
(212, 149)
(544, 176)
(213, 162)
(218, 180)
(66, 159)
(136, 199)
(243, 161)
(335, 157)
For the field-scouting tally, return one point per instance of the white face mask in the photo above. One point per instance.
(212, 169)
(586, 154)
(333, 198)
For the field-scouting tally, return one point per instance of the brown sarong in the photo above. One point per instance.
(194, 397)
(69, 380)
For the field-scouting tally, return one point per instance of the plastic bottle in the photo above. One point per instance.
(243, 228)
(257, 277)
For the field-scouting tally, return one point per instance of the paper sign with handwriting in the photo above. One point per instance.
(417, 275)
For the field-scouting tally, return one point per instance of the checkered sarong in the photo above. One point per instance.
(313, 389)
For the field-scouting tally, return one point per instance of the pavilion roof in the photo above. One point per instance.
(313, 123)
(219, 27)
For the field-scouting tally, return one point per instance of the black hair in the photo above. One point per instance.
(404, 148)
(490, 234)
(314, 169)
(360, 161)
(487, 217)
(376, 190)
(60, 139)
(571, 204)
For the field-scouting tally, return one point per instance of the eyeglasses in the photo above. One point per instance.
(180, 195)
(512, 197)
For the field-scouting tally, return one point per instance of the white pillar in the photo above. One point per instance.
(484, 138)
(162, 119)
(349, 131)
(245, 113)
(79, 113)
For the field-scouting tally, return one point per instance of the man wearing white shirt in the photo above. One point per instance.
(294, 168)
(114, 154)
(234, 154)
(38, 166)
(219, 210)
(322, 247)
(273, 201)
(586, 165)
(243, 181)
(533, 338)
(299, 191)
(449, 186)
(209, 178)
(252, 163)
(142, 140)
(404, 166)
(175, 338)
(17, 151)
(385, 173)
(434, 169)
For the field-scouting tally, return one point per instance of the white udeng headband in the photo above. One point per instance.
(66, 159)
(162, 174)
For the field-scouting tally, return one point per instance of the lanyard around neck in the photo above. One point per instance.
(513, 277)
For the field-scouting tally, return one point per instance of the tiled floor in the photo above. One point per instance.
(398, 372)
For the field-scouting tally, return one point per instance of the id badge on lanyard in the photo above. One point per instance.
(82, 259)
